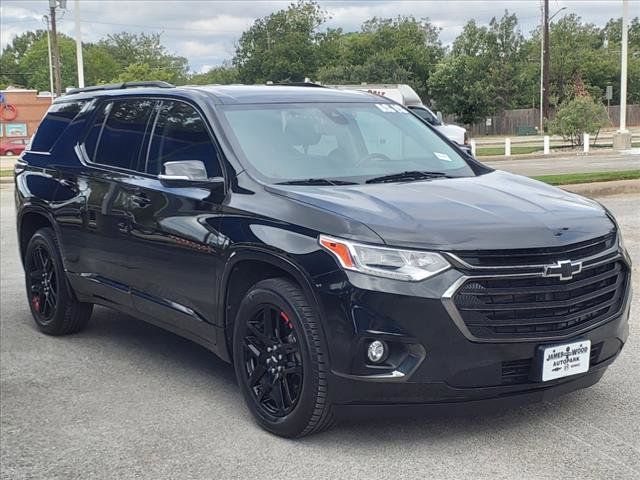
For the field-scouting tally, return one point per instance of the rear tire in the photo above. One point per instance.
(53, 304)
(281, 361)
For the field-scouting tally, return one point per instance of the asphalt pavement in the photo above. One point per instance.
(124, 399)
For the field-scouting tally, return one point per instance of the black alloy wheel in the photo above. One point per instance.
(53, 303)
(42, 283)
(281, 359)
(273, 361)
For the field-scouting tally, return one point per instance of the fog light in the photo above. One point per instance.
(377, 351)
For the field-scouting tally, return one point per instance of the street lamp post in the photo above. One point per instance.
(622, 138)
(76, 8)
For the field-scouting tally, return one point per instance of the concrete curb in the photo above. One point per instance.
(552, 154)
(602, 189)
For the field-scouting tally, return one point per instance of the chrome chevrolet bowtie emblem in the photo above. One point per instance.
(564, 270)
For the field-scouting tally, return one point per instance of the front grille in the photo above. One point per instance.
(537, 256)
(505, 307)
(517, 372)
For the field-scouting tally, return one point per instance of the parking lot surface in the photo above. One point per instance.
(124, 399)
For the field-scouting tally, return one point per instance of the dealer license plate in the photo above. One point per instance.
(565, 360)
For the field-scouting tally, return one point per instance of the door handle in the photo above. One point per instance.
(140, 199)
(69, 184)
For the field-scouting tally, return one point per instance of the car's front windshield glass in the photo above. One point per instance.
(337, 141)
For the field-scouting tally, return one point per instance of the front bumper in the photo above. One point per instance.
(436, 364)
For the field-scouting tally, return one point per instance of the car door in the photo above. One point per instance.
(112, 148)
(173, 234)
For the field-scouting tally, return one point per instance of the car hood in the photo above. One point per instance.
(493, 211)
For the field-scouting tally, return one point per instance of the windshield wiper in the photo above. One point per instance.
(409, 175)
(316, 181)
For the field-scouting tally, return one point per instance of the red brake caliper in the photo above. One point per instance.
(286, 320)
(35, 301)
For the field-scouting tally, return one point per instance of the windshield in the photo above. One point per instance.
(352, 142)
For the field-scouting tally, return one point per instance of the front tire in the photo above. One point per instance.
(281, 361)
(53, 304)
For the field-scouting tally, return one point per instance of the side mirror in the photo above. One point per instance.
(187, 173)
(439, 115)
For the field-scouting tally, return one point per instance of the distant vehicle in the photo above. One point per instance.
(13, 146)
(408, 97)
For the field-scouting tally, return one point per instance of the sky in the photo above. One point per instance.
(205, 31)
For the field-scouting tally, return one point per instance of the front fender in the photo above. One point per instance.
(273, 258)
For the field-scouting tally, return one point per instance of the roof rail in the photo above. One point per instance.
(296, 84)
(118, 86)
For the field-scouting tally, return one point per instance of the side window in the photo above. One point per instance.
(117, 135)
(181, 134)
(57, 119)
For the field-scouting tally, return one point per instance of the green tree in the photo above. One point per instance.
(481, 76)
(34, 64)
(577, 116)
(222, 75)
(283, 46)
(386, 50)
(99, 65)
(145, 49)
(139, 72)
(11, 72)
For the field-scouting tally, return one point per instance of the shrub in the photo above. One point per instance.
(578, 116)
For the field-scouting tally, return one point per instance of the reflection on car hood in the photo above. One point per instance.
(493, 211)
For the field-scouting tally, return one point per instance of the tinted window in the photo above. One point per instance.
(117, 135)
(181, 134)
(54, 124)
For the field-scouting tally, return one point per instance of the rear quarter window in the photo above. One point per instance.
(55, 122)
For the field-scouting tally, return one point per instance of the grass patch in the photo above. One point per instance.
(569, 178)
(6, 173)
(515, 150)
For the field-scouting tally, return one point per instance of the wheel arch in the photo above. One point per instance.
(30, 221)
(245, 268)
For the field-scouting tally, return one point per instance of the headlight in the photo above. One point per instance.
(409, 265)
(620, 240)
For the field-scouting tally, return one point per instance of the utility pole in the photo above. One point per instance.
(541, 131)
(46, 19)
(622, 138)
(79, 61)
(545, 61)
(55, 52)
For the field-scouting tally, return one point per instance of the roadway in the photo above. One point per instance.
(124, 399)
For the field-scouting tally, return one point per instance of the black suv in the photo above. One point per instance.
(332, 246)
